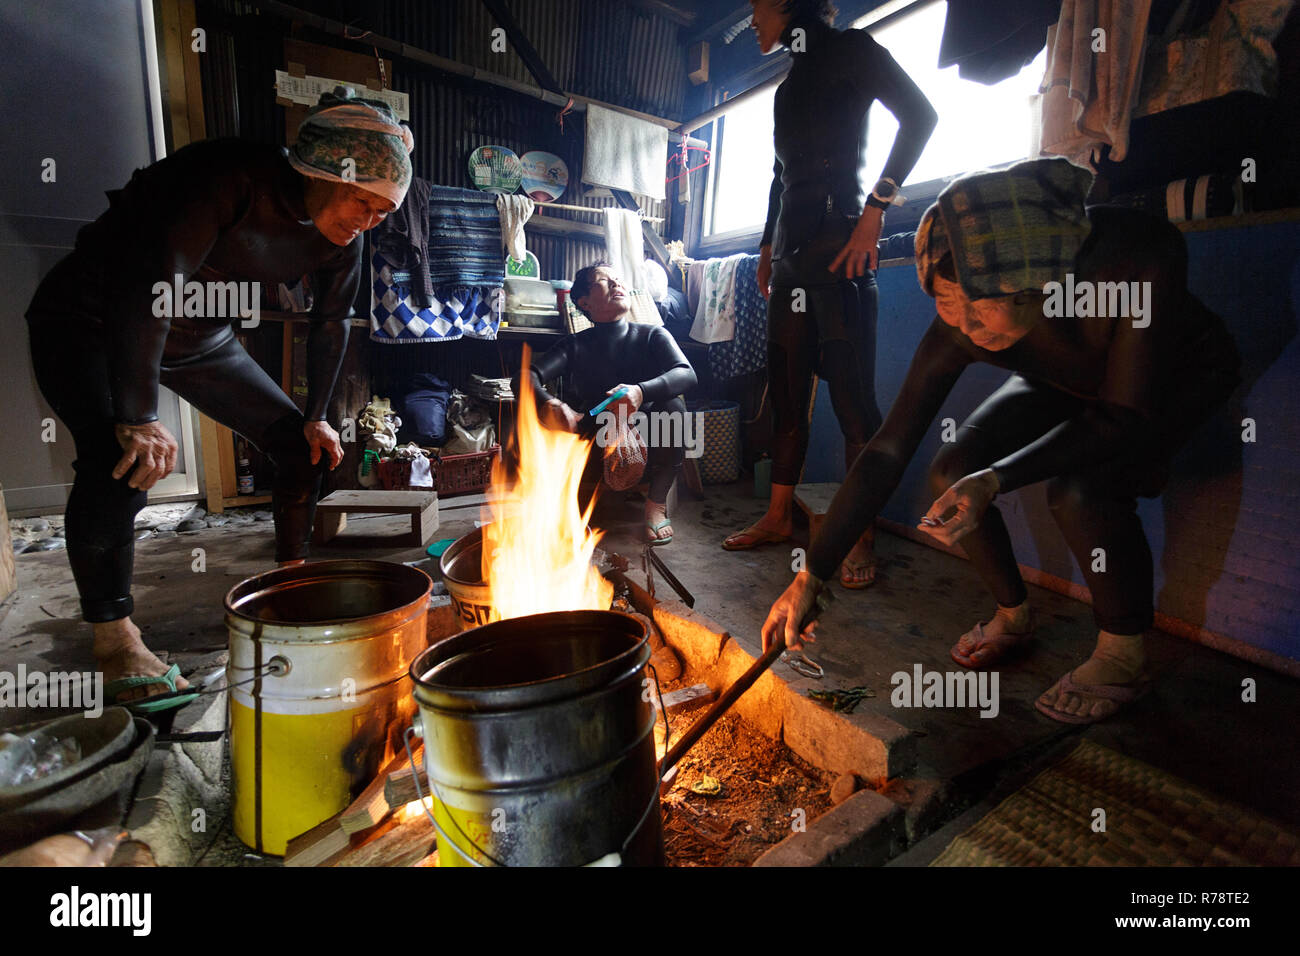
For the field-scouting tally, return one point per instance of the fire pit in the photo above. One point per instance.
(538, 743)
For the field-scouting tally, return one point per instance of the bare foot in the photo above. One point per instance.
(657, 526)
(987, 643)
(1118, 664)
(121, 652)
(770, 528)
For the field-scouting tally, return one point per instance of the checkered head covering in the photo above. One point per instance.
(343, 126)
(1009, 231)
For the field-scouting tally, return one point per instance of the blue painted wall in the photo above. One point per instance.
(1224, 534)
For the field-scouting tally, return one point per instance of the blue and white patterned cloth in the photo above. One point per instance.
(455, 311)
(747, 350)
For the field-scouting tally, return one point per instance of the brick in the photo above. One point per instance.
(762, 705)
(869, 745)
(441, 620)
(865, 830)
(697, 638)
(688, 699)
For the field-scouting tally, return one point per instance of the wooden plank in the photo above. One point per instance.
(328, 525)
(400, 787)
(523, 46)
(815, 500)
(377, 501)
(370, 807)
(406, 844)
(211, 465)
(8, 573)
(317, 845)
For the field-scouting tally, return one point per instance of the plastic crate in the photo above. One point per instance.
(463, 474)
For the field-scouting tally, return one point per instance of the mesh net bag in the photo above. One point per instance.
(625, 459)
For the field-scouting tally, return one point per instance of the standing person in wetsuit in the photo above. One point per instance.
(1097, 405)
(819, 246)
(219, 211)
(613, 354)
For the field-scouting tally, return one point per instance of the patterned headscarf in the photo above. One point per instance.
(343, 126)
(1009, 231)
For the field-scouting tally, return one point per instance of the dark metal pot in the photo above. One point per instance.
(539, 742)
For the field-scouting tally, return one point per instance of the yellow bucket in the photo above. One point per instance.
(319, 689)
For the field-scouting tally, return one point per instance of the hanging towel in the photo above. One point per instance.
(514, 211)
(625, 245)
(1087, 98)
(747, 351)
(403, 238)
(464, 238)
(454, 310)
(990, 42)
(715, 319)
(624, 152)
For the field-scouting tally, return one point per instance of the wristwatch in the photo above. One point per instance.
(884, 194)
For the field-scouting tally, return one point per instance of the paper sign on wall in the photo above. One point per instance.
(307, 90)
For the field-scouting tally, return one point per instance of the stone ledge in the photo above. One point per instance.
(865, 830)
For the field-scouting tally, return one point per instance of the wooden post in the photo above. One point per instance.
(8, 574)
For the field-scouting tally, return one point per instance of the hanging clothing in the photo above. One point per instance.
(514, 211)
(747, 350)
(715, 319)
(991, 42)
(625, 245)
(403, 238)
(1087, 99)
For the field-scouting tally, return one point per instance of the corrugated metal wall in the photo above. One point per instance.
(602, 49)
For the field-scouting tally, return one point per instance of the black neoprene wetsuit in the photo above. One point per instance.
(819, 322)
(214, 212)
(1096, 406)
(622, 353)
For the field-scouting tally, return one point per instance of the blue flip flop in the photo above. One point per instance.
(653, 539)
(168, 700)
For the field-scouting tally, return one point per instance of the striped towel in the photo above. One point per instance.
(465, 245)
(1009, 231)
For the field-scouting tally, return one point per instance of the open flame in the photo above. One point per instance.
(537, 547)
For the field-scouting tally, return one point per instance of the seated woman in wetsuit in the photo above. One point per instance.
(1096, 406)
(613, 354)
(819, 247)
(215, 212)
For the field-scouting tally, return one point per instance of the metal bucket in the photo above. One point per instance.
(538, 742)
(322, 651)
(462, 571)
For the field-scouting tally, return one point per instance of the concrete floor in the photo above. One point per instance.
(1193, 724)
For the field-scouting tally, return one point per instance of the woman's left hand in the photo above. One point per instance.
(861, 251)
(971, 497)
(632, 399)
(322, 437)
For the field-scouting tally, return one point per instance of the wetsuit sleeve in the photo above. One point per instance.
(549, 365)
(935, 368)
(676, 375)
(1136, 363)
(136, 331)
(773, 204)
(887, 82)
(327, 332)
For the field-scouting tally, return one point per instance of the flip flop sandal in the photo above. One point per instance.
(168, 700)
(653, 538)
(757, 538)
(853, 585)
(1120, 694)
(995, 648)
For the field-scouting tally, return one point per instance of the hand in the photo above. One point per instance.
(862, 249)
(765, 271)
(322, 437)
(632, 399)
(971, 497)
(791, 608)
(150, 448)
(558, 416)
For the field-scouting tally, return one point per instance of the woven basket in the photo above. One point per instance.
(463, 474)
(720, 463)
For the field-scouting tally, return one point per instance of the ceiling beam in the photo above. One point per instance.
(737, 13)
(523, 46)
(667, 10)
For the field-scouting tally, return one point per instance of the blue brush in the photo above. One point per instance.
(605, 404)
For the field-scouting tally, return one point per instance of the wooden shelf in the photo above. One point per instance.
(241, 501)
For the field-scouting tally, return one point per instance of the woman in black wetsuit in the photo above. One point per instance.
(818, 252)
(215, 212)
(1099, 401)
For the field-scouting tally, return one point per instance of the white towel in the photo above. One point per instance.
(514, 211)
(1088, 98)
(625, 245)
(715, 319)
(624, 152)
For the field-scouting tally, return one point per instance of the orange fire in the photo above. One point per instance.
(538, 545)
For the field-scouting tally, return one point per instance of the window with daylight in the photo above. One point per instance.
(979, 126)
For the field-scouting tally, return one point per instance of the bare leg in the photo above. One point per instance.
(121, 653)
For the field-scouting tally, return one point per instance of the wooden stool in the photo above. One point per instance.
(814, 501)
(332, 515)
